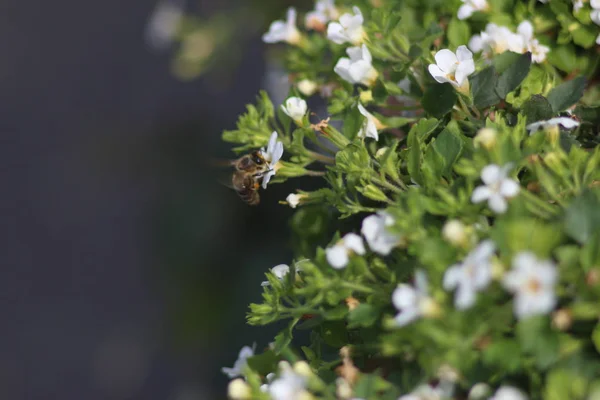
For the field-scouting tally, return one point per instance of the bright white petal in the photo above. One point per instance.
(524, 260)
(525, 29)
(355, 243)
(277, 153)
(342, 68)
(337, 256)
(497, 204)
(407, 316)
(280, 270)
(476, 43)
(446, 60)
(355, 53)
(267, 178)
(335, 33)
(480, 194)
(276, 32)
(437, 73)
(360, 70)
(463, 54)
(464, 297)
(491, 174)
(404, 296)
(465, 11)
(452, 277)
(509, 188)
(465, 68)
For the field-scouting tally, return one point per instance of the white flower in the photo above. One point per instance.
(294, 199)
(595, 14)
(280, 271)
(454, 232)
(538, 51)
(348, 29)
(295, 108)
(289, 385)
(239, 365)
(532, 281)
(272, 155)
(470, 6)
(369, 126)
(339, 255)
(508, 393)
(324, 12)
(578, 5)
(472, 275)
(498, 187)
(375, 230)
(307, 87)
(269, 378)
(428, 392)
(565, 122)
(496, 40)
(413, 302)
(358, 68)
(453, 68)
(238, 389)
(283, 31)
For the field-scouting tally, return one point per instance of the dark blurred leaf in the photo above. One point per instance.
(537, 108)
(263, 363)
(512, 77)
(439, 99)
(504, 60)
(483, 87)
(283, 338)
(449, 146)
(582, 217)
(566, 94)
(364, 315)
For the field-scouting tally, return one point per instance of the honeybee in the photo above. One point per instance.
(249, 172)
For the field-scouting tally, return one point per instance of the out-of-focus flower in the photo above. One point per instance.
(289, 385)
(339, 254)
(508, 393)
(348, 29)
(323, 12)
(426, 392)
(471, 6)
(280, 271)
(565, 122)
(358, 68)
(375, 230)
(472, 275)
(532, 281)
(486, 138)
(455, 232)
(272, 155)
(239, 365)
(531, 44)
(496, 189)
(453, 68)
(295, 108)
(413, 302)
(496, 40)
(294, 199)
(164, 23)
(284, 31)
(370, 124)
(307, 87)
(238, 389)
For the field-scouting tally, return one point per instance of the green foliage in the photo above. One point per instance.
(427, 177)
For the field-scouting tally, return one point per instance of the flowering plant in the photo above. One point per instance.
(453, 250)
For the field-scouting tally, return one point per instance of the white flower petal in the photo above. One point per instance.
(437, 73)
(404, 296)
(491, 174)
(335, 33)
(465, 11)
(280, 270)
(337, 256)
(446, 60)
(452, 277)
(497, 204)
(463, 54)
(464, 297)
(480, 194)
(465, 68)
(509, 188)
(355, 243)
(406, 316)
(342, 68)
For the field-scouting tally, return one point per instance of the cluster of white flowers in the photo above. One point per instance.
(290, 384)
(272, 155)
(453, 68)
(497, 188)
(375, 230)
(498, 39)
(358, 68)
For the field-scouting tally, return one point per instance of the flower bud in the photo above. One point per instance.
(562, 319)
(303, 369)
(486, 138)
(294, 199)
(352, 303)
(366, 96)
(307, 87)
(295, 108)
(455, 232)
(343, 388)
(238, 389)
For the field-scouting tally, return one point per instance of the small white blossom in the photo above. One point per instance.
(532, 281)
(239, 365)
(413, 302)
(498, 187)
(455, 232)
(323, 12)
(595, 14)
(496, 40)
(479, 391)
(339, 254)
(284, 31)
(280, 271)
(358, 68)
(531, 44)
(578, 5)
(472, 275)
(307, 87)
(508, 393)
(289, 385)
(348, 29)
(272, 155)
(470, 6)
(369, 126)
(375, 230)
(238, 389)
(294, 199)
(565, 122)
(453, 68)
(295, 108)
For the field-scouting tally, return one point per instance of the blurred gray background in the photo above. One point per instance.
(126, 268)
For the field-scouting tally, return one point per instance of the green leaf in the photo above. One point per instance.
(512, 77)
(596, 337)
(283, 338)
(334, 333)
(503, 354)
(504, 60)
(482, 88)
(414, 155)
(364, 315)
(566, 94)
(459, 32)
(582, 217)
(353, 120)
(439, 99)
(263, 363)
(563, 57)
(537, 108)
(588, 114)
(449, 146)
(424, 128)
